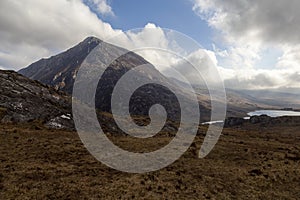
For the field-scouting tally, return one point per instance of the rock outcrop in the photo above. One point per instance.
(25, 100)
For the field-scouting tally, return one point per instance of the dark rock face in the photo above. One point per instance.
(60, 71)
(24, 100)
(142, 99)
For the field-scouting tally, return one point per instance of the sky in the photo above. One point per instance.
(254, 44)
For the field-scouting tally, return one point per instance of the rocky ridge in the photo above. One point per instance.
(25, 100)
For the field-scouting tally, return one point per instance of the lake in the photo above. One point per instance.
(274, 113)
(271, 113)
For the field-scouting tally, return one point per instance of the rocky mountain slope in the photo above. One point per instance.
(25, 100)
(60, 71)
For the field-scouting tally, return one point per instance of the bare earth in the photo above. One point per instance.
(249, 162)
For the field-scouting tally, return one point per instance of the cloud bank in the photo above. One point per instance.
(33, 29)
(249, 28)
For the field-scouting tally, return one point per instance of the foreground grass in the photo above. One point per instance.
(250, 162)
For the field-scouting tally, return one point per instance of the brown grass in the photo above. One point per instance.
(247, 163)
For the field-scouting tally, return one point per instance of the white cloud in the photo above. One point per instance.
(249, 28)
(31, 29)
(255, 20)
(102, 7)
(148, 37)
(290, 58)
(259, 79)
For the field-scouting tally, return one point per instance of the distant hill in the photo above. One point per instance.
(282, 97)
(239, 102)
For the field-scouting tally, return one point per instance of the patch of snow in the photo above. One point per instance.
(212, 122)
(55, 97)
(66, 116)
(75, 75)
(55, 124)
(56, 76)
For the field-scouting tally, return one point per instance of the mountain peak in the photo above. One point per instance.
(61, 68)
(92, 39)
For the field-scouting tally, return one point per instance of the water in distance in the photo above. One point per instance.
(274, 113)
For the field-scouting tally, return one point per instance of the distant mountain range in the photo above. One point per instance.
(282, 97)
(240, 101)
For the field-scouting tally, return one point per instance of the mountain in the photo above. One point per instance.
(60, 71)
(25, 100)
